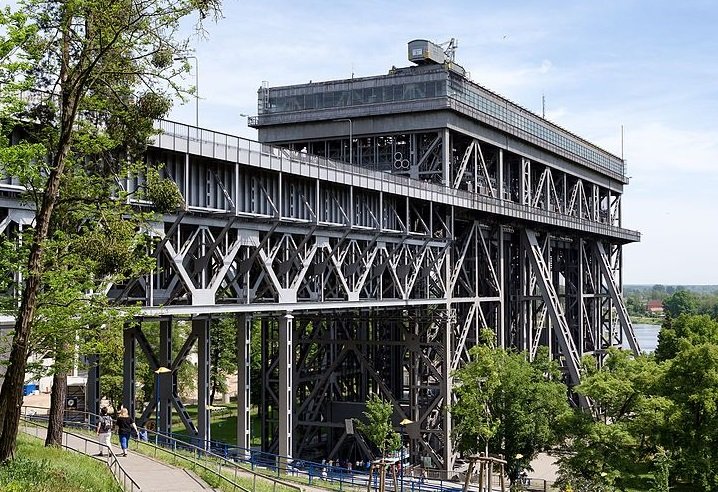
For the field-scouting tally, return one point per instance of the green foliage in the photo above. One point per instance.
(684, 331)
(378, 428)
(652, 413)
(661, 462)
(223, 353)
(681, 302)
(163, 193)
(514, 406)
(692, 385)
(631, 419)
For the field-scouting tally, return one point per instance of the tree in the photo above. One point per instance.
(99, 74)
(378, 428)
(685, 330)
(691, 383)
(509, 405)
(627, 426)
(681, 302)
(223, 353)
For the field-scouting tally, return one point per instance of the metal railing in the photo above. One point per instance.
(175, 448)
(208, 143)
(282, 470)
(118, 472)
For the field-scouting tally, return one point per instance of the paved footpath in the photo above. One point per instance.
(151, 475)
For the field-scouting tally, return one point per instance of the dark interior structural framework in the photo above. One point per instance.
(379, 224)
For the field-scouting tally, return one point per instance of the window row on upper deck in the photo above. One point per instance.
(387, 90)
(282, 100)
(505, 112)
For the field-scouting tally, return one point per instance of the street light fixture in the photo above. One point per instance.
(351, 138)
(196, 84)
(403, 424)
(158, 371)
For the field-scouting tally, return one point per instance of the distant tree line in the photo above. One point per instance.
(676, 300)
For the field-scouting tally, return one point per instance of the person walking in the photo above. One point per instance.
(125, 426)
(104, 432)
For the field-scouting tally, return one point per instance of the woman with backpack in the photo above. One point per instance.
(104, 432)
(125, 426)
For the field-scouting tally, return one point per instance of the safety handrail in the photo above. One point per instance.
(118, 472)
(428, 479)
(171, 449)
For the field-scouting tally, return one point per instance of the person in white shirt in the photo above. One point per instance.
(104, 432)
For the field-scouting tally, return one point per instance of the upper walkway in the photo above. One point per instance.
(191, 140)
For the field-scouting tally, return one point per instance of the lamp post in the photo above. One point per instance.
(403, 424)
(351, 138)
(158, 371)
(196, 84)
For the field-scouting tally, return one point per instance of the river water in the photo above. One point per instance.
(647, 336)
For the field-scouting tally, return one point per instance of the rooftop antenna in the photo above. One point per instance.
(622, 143)
(450, 51)
(543, 105)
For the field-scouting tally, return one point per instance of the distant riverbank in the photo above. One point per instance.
(646, 320)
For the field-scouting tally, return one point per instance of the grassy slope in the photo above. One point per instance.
(42, 469)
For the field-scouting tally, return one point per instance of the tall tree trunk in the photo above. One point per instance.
(57, 409)
(11, 392)
(72, 86)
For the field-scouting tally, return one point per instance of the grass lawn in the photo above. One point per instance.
(42, 469)
(223, 423)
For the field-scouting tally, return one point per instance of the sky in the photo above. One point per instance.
(649, 66)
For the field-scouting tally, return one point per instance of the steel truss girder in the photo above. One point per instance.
(204, 266)
(553, 305)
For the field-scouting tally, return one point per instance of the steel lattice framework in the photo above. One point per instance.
(460, 211)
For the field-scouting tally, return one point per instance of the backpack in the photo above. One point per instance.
(106, 424)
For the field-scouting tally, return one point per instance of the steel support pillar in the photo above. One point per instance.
(446, 157)
(200, 328)
(244, 337)
(165, 380)
(92, 399)
(128, 369)
(286, 395)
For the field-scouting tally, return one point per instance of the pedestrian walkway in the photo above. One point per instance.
(148, 474)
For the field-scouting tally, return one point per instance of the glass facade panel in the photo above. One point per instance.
(341, 94)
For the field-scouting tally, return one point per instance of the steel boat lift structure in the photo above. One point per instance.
(380, 224)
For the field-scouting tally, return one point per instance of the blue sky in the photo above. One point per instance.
(651, 66)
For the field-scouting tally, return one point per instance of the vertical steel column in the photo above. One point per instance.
(447, 379)
(200, 328)
(128, 368)
(503, 303)
(286, 386)
(501, 174)
(244, 337)
(165, 380)
(92, 400)
(446, 157)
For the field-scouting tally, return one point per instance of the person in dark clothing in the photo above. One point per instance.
(125, 426)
